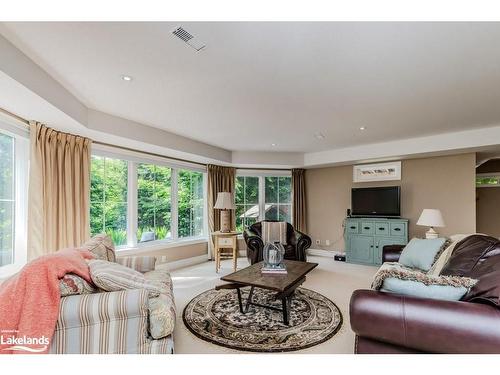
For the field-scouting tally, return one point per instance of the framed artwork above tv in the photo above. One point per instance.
(390, 171)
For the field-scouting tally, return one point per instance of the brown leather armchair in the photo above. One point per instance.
(295, 249)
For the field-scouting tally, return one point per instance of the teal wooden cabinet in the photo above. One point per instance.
(366, 237)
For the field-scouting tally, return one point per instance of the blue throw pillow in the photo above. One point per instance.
(420, 253)
(418, 289)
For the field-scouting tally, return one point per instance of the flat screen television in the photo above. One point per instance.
(376, 201)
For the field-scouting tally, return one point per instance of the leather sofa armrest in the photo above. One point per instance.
(424, 324)
(303, 243)
(391, 253)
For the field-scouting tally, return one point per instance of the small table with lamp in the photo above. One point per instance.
(222, 241)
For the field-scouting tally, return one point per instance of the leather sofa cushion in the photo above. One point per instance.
(468, 253)
(486, 290)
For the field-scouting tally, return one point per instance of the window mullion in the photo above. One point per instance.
(262, 198)
(132, 204)
(174, 204)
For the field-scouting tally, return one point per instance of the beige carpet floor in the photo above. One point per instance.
(335, 280)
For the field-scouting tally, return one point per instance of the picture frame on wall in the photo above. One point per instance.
(389, 171)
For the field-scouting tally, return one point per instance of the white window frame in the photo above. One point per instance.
(21, 168)
(133, 159)
(262, 187)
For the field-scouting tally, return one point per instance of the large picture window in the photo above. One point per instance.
(263, 197)
(154, 206)
(7, 200)
(14, 151)
(138, 202)
(191, 203)
(247, 201)
(278, 198)
(108, 198)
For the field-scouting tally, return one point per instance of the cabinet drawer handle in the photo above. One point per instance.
(397, 229)
(376, 247)
(366, 228)
(353, 227)
(382, 228)
(371, 245)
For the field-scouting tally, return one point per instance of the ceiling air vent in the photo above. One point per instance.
(188, 38)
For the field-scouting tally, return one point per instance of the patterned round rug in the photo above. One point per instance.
(214, 316)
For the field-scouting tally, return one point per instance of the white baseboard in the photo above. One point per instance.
(170, 266)
(322, 253)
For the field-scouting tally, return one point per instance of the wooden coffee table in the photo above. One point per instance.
(283, 284)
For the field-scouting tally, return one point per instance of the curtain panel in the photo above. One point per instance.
(299, 199)
(59, 190)
(220, 179)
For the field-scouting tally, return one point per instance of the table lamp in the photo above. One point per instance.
(225, 203)
(431, 217)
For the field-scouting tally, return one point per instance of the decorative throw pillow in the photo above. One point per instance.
(102, 247)
(421, 253)
(113, 277)
(443, 256)
(161, 316)
(395, 278)
(72, 284)
(162, 308)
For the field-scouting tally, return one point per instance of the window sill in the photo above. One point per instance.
(158, 245)
(9, 270)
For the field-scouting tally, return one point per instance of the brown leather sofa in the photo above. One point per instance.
(387, 323)
(295, 249)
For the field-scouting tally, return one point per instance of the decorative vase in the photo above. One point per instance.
(273, 254)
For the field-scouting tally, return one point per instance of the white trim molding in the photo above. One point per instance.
(182, 263)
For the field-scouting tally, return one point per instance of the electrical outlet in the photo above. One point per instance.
(318, 242)
(327, 242)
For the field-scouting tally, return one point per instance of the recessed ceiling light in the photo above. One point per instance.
(274, 144)
(362, 128)
(127, 78)
(319, 136)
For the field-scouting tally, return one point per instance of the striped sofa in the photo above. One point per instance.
(109, 322)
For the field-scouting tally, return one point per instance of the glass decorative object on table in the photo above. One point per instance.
(273, 255)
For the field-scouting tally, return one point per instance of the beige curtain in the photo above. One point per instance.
(220, 179)
(299, 199)
(59, 190)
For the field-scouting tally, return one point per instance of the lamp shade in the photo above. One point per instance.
(431, 217)
(224, 201)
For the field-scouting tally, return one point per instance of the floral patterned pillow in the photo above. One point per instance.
(72, 284)
(161, 308)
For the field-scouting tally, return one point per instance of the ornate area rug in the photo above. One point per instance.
(214, 316)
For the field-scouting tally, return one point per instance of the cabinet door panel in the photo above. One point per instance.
(361, 249)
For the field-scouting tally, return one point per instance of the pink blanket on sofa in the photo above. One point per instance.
(29, 301)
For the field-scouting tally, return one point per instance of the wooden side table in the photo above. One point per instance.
(225, 240)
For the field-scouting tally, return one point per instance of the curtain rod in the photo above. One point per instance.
(26, 123)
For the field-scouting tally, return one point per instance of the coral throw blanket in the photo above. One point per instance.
(29, 301)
